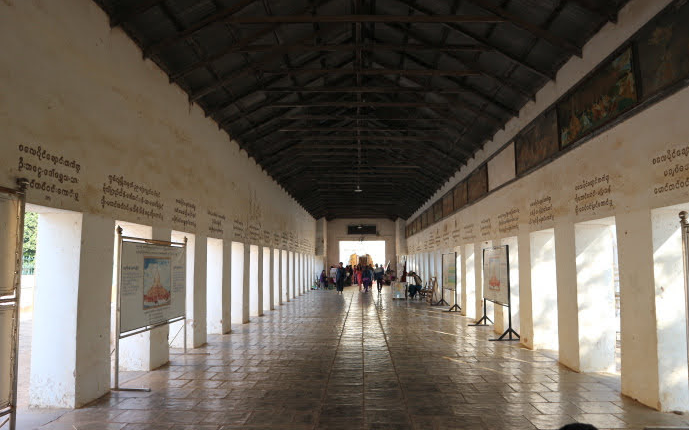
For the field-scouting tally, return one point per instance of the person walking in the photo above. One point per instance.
(378, 274)
(340, 278)
(367, 278)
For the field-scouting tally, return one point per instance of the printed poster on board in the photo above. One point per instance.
(8, 243)
(495, 274)
(5, 356)
(450, 271)
(152, 284)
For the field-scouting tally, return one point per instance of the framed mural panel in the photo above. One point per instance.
(608, 92)
(437, 210)
(417, 224)
(477, 185)
(662, 47)
(448, 204)
(424, 219)
(536, 142)
(460, 195)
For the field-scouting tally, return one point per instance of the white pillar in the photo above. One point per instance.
(237, 283)
(470, 281)
(268, 263)
(246, 284)
(277, 278)
(196, 295)
(254, 281)
(287, 276)
(566, 283)
(292, 275)
(595, 297)
(260, 277)
(670, 311)
(215, 305)
(526, 327)
(544, 289)
(70, 359)
(226, 296)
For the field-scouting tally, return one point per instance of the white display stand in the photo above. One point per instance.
(151, 290)
(12, 208)
(450, 278)
(496, 286)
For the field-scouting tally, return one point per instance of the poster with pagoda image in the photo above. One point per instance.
(152, 284)
(157, 282)
(496, 274)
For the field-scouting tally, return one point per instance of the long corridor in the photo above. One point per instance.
(328, 361)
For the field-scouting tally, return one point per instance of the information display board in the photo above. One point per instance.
(6, 345)
(496, 276)
(450, 271)
(152, 284)
(8, 243)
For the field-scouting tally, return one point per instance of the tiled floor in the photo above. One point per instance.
(325, 361)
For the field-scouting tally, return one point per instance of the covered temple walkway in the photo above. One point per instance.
(366, 361)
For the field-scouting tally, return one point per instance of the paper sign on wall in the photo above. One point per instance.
(496, 274)
(152, 284)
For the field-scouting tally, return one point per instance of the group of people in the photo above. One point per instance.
(361, 276)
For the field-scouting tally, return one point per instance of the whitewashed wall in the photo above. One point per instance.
(98, 130)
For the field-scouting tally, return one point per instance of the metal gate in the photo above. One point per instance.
(12, 206)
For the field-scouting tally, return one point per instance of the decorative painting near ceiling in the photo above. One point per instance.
(477, 185)
(537, 142)
(460, 195)
(607, 93)
(448, 205)
(424, 219)
(438, 210)
(663, 48)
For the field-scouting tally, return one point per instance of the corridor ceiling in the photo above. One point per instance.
(389, 96)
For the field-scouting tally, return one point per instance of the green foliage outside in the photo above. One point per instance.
(30, 230)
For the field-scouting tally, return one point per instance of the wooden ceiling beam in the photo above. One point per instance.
(351, 47)
(535, 30)
(463, 88)
(373, 72)
(468, 63)
(351, 104)
(598, 7)
(118, 19)
(415, 5)
(182, 35)
(365, 89)
(348, 19)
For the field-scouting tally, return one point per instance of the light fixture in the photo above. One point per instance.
(358, 189)
(359, 227)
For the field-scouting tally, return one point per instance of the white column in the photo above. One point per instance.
(226, 296)
(292, 273)
(70, 359)
(566, 282)
(246, 284)
(215, 305)
(670, 311)
(287, 276)
(237, 283)
(526, 326)
(196, 296)
(596, 296)
(277, 276)
(259, 284)
(544, 289)
(267, 279)
(478, 279)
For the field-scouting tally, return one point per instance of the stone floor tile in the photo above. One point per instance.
(357, 361)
